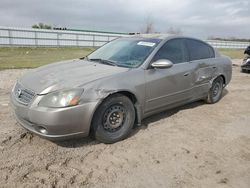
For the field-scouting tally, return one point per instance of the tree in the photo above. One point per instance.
(41, 26)
(35, 26)
(149, 25)
(175, 31)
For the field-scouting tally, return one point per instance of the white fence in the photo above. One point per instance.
(228, 44)
(54, 38)
(60, 38)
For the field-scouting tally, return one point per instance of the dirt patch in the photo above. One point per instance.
(197, 145)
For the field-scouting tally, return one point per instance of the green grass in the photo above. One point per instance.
(25, 57)
(233, 53)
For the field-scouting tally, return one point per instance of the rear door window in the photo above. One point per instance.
(173, 50)
(199, 50)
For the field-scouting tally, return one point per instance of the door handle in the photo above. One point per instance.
(187, 73)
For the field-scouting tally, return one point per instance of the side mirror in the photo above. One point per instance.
(162, 64)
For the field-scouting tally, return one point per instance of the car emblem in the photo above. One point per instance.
(19, 92)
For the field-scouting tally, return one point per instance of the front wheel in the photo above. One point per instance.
(114, 119)
(215, 92)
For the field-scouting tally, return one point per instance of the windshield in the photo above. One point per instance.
(126, 52)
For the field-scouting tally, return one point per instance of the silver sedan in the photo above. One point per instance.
(112, 89)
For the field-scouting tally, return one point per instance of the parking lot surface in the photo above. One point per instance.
(197, 145)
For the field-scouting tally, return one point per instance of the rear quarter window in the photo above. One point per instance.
(199, 50)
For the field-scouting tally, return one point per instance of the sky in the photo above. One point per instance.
(197, 18)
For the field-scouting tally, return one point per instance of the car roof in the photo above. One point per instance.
(155, 36)
(163, 36)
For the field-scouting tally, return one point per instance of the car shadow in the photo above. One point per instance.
(77, 142)
(163, 115)
(168, 113)
(224, 93)
(88, 141)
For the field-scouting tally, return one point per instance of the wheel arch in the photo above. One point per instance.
(219, 75)
(133, 99)
(224, 79)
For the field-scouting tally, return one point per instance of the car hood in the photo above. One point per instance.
(67, 74)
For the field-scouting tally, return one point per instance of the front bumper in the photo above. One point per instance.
(55, 123)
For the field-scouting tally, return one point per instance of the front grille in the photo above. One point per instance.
(23, 95)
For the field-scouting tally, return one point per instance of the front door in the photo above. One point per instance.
(173, 85)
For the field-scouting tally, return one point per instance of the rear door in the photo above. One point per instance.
(202, 58)
(173, 85)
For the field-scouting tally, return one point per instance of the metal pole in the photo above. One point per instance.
(57, 39)
(36, 42)
(77, 40)
(10, 37)
(93, 40)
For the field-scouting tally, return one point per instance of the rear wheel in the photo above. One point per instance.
(215, 92)
(114, 119)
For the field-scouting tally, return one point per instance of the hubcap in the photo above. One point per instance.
(216, 89)
(113, 118)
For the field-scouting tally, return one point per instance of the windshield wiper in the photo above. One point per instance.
(104, 61)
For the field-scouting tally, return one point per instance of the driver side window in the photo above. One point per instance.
(173, 50)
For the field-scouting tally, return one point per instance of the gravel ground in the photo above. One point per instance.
(198, 145)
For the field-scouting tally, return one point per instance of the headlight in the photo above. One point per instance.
(62, 98)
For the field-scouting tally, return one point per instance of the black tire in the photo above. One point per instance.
(215, 92)
(243, 70)
(114, 119)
